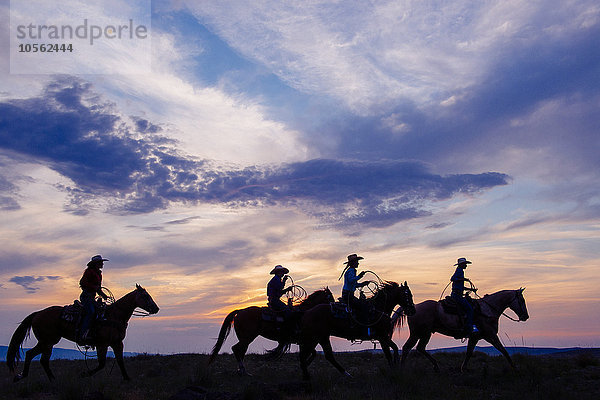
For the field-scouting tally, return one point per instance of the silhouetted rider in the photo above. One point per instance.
(91, 284)
(458, 288)
(351, 283)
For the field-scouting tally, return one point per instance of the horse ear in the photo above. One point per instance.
(137, 286)
(405, 284)
(522, 289)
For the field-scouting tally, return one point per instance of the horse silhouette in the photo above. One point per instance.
(48, 327)
(321, 322)
(249, 324)
(430, 317)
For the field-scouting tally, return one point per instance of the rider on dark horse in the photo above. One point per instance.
(458, 289)
(351, 283)
(91, 284)
(275, 289)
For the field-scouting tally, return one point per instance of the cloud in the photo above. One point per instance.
(27, 282)
(8, 201)
(73, 132)
(12, 261)
(369, 56)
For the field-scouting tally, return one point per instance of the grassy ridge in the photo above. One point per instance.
(186, 376)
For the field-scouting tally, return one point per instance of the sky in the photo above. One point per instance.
(239, 135)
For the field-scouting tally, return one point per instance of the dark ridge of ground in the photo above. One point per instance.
(187, 377)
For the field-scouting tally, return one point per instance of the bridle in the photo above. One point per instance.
(517, 292)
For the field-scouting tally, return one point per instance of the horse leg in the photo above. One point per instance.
(239, 350)
(118, 350)
(385, 346)
(470, 347)
(311, 356)
(410, 343)
(45, 361)
(307, 353)
(421, 349)
(29, 355)
(495, 341)
(395, 350)
(328, 350)
(101, 354)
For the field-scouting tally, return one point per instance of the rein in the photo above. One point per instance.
(498, 311)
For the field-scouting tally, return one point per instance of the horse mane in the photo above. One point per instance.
(387, 285)
(382, 289)
(398, 319)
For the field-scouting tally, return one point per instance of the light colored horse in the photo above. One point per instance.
(430, 317)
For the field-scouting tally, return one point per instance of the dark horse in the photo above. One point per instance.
(48, 327)
(320, 322)
(431, 317)
(249, 324)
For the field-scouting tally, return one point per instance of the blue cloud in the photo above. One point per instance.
(69, 129)
(8, 201)
(27, 282)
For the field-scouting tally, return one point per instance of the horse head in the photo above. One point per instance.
(322, 296)
(405, 299)
(330, 298)
(518, 305)
(144, 301)
(392, 294)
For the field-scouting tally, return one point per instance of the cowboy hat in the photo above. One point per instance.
(462, 260)
(279, 268)
(96, 260)
(353, 257)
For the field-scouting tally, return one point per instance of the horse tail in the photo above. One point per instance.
(223, 333)
(277, 352)
(13, 354)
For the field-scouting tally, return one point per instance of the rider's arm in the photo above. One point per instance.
(101, 293)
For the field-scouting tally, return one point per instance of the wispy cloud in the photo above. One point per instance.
(370, 55)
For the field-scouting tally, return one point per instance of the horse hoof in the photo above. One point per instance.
(18, 377)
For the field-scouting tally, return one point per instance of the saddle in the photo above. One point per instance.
(359, 327)
(340, 310)
(270, 315)
(73, 313)
(450, 306)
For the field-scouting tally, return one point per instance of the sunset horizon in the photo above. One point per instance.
(223, 139)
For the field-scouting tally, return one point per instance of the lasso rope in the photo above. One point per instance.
(376, 291)
(295, 292)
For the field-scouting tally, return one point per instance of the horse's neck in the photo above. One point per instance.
(311, 301)
(123, 308)
(382, 301)
(499, 301)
